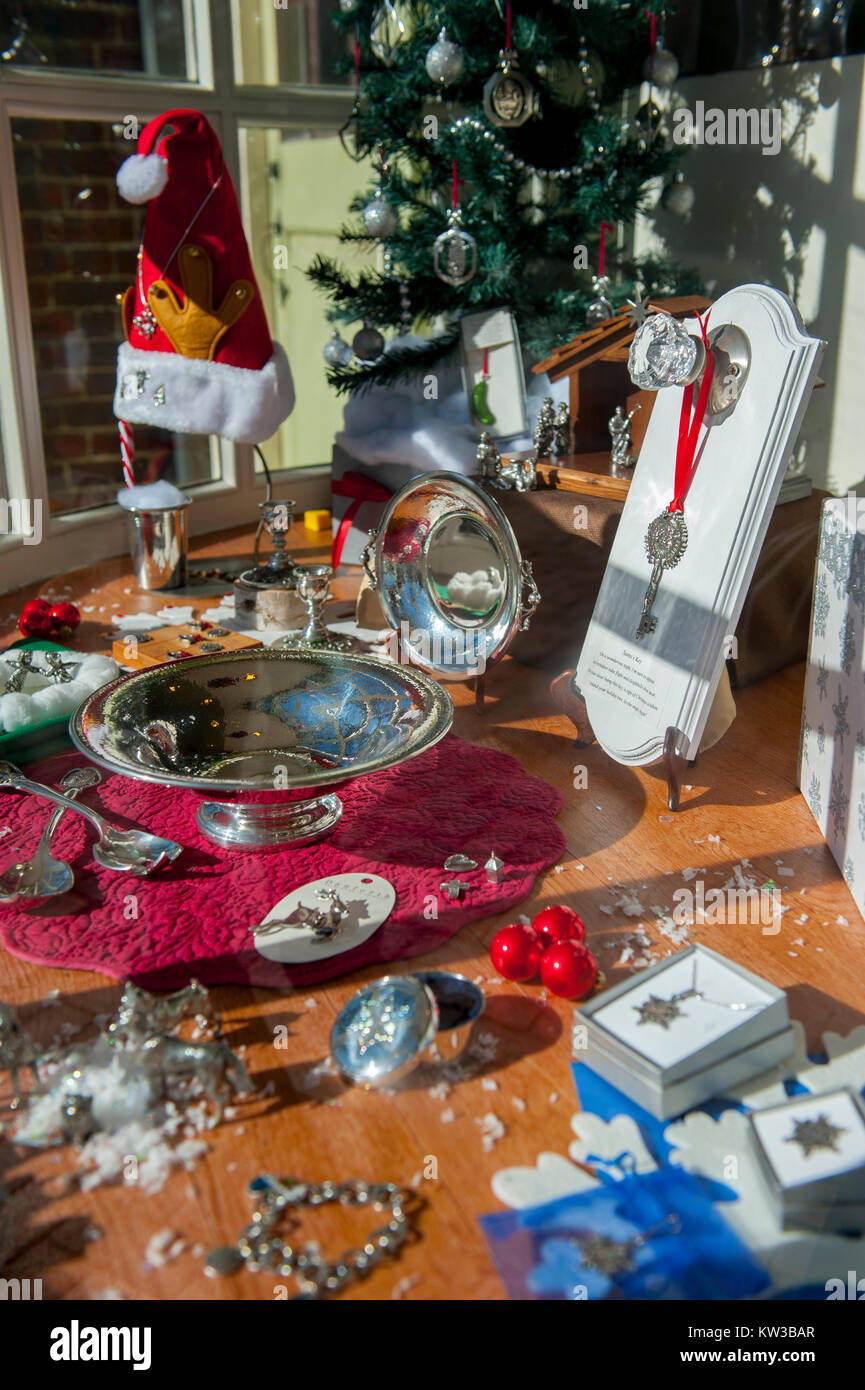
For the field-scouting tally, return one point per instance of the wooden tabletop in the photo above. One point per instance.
(620, 836)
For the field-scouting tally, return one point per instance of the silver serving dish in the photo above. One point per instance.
(262, 722)
(448, 570)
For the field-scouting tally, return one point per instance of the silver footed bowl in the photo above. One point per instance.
(263, 721)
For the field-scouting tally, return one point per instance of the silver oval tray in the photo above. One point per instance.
(448, 570)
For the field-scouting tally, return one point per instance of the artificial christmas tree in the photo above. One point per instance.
(500, 151)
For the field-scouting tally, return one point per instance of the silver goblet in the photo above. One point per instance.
(313, 588)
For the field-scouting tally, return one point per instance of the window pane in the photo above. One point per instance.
(297, 186)
(80, 243)
(146, 36)
(294, 42)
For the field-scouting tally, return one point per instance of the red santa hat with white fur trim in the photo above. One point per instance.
(198, 356)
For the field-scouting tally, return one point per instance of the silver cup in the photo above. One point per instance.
(159, 540)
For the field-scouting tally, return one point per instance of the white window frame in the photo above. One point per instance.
(81, 538)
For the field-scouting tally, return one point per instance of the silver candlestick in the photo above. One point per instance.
(276, 518)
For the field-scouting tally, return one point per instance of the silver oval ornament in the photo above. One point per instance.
(509, 97)
(455, 252)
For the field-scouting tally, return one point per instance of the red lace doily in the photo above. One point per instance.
(192, 918)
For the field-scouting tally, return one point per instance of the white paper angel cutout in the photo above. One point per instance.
(616, 1145)
(768, 1088)
(551, 1178)
(846, 1065)
(837, 1045)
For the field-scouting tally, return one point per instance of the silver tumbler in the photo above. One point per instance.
(159, 539)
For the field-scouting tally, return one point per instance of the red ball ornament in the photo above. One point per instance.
(64, 619)
(516, 952)
(568, 969)
(35, 620)
(558, 923)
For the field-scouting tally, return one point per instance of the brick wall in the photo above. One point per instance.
(91, 34)
(80, 243)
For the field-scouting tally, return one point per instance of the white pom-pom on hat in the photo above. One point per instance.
(142, 177)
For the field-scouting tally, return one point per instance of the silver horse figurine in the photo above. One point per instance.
(140, 1014)
(219, 1070)
(17, 1050)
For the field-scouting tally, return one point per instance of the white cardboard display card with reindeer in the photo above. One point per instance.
(636, 688)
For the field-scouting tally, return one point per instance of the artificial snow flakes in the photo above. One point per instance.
(492, 1130)
(447, 1116)
(162, 1248)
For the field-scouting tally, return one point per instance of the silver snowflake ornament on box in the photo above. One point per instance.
(812, 1135)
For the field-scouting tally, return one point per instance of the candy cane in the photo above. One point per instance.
(127, 452)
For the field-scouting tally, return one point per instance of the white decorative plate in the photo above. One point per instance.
(368, 897)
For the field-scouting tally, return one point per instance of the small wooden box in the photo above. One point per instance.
(140, 649)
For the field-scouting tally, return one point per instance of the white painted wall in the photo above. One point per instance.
(795, 220)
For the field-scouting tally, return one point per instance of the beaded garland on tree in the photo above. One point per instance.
(420, 99)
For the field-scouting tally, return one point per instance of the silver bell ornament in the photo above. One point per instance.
(455, 252)
(380, 217)
(679, 197)
(337, 352)
(367, 343)
(445, 61)
(661, 68)
(600, 310)
(388, 32)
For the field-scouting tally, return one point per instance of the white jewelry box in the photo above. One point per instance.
(811, 1151)
(684, 1030)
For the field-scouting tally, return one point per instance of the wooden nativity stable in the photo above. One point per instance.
(596, 365)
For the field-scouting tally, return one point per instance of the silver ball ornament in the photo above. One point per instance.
(445, 61)
(349, 6)
(337, 352)
(367, 343)
(380, 217)
(662, 67)
(679, 197)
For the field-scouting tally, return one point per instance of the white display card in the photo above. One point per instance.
(699, 1022)
(790, 1163)
(635, 690)
(494, 333)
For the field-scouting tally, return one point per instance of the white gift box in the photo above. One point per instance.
(492, 337)
(686, 1029)
(832, 748)
(811, 1151)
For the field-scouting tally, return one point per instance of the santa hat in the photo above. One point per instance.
(198, 356)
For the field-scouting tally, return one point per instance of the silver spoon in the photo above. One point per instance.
(128, 851)
(43, 875)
